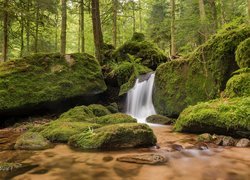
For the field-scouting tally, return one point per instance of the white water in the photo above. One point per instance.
(139, 100)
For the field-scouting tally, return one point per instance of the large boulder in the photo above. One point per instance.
(201, 75)
(220, 116)
(150, 55)
(243, 54)
(239, 84)
(115, 137)
(41, 80)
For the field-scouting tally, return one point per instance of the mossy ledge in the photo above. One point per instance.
(201, 75)
(43, 79)
(220, 116)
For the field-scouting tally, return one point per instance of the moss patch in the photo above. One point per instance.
(46, 78)
(201, 75)
(239, 84)
(158, 119)
(99, 110)
(140, 48)
(115, 136)
(6, 166)
(220, 116)
(113, 119)
(243, 54)
(32, 141)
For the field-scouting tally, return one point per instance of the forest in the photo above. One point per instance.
(125, 89)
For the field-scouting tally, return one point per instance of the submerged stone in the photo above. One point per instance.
(32, 141)
(220, 116)
(201, 75)
(38, 81)
(158, 119)
(115, 137)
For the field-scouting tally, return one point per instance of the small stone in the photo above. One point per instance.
(144, 159)
(206, 137)
(243, 143)
(177, 147)
(228, 141)
(107, 158)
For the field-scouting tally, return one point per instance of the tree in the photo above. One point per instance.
(173, 44)
(82, 27)
(203, 19)
(115, 7)
(97, 30)
(5, 30)
(64, 27)
(249, 11)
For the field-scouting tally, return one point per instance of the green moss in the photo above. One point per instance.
(113, 119)
(61, 131)
(115, 136)
(44, 78)
(140, 48)
(113, 108)
(201, 75)
(32, 141)
(99, 110)
(6, 166)
(239, 84)
(243, 54)
(220, 116)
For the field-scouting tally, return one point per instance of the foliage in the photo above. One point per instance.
(115, 136)
(220, 116)
(243, 54)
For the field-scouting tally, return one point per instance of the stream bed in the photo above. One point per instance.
(185, 161)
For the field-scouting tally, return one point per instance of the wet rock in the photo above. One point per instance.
(177, 147)
(5, 166)
(158, 119)
(243, 143)
(144, 159)
(107, 158)
(201, 146)
(228, 141)
(32, 141)
(206, 137)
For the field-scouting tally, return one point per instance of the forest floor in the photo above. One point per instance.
(186, 160)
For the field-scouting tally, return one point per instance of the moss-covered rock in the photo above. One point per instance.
(201, 75)
(39, 79)
(158, 119)
(239, 84)
(99, 110)
(150, 55)
(7, 166)
(113, 108)
(220, 116)
(32, 141)
(115, 136)
(113, 119)
(61, 131)
(243, 54)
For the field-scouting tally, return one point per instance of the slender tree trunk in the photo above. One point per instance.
(203, 18)
(115, 4)
(5, 30)
(97, 30)
(64, 27)
(28, 28)
(37, 26)
(134, 22)
(140, 14)
(56, 33)
(249, 11)
(173, 44)
(21, 35)
(222, 12)
(79, 31)
(214, 13)
(82, 26)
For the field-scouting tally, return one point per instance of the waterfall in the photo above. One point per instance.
(139, 99)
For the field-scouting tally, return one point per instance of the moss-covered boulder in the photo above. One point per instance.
(117, 118)
(150, 55)
(61, 131)
(8, 166)
(220, 116)
(239, 84)
(201, 75)
(158, 119)
(243, 54)
(43, 79)
(113, 108)
(99, 110)
(115, 136)
(32, 141)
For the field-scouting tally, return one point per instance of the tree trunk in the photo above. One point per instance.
(5, 30)
(222, 12)
(249, 11)
(64, 27)
(37, 26)
(173, 44)
(82, 27)
(214, 14)
(134, 22)
(115, 4)
(28, 28)
(97, 30)
(21, 35)
(140, 14)
(203, 18)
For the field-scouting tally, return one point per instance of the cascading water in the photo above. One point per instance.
(139, 99)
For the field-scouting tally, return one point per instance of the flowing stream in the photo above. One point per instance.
(139, 98)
